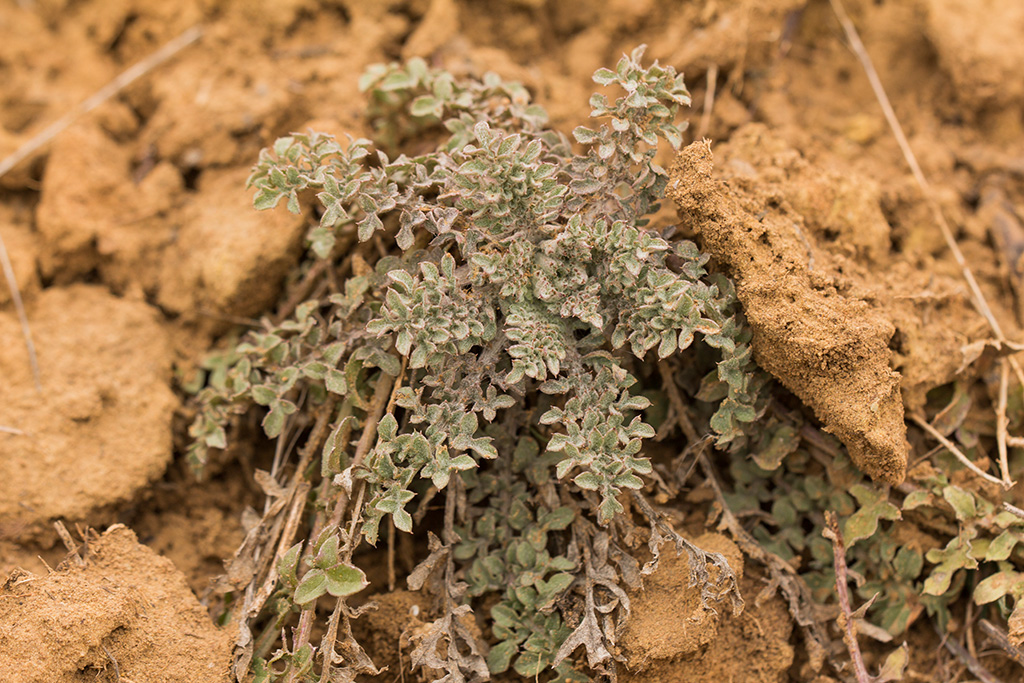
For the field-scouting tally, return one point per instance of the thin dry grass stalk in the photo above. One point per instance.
(937, 435)
(19, 307)
(980, 302)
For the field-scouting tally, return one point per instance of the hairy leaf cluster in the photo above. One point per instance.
(490, 356)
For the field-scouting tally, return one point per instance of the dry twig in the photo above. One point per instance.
(1002, 423)
(951, 447)
(980, 301)
(961, 653)
(123, 80)
(68, 541)
(846, 619)
(1000, 638)
(19, 306)
(897, 129)
(709, 101)
(117, 669)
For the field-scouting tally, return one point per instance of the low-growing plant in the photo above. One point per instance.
(496, 325)
(490, 358)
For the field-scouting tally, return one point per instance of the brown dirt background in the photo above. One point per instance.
(133, 243)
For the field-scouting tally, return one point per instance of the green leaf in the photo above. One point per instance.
(263, 395)
(344, 580)
(895, 665)
(484, 448)
(962, 501)
(938, 581)
(266, 199)
(367, 226)
(273, 423)
(504, 615)
(785, 440)
(588, 481)
(559, 518)
(312, 586)
(525, 555)
(556, 585)
(604, 76)
(335, 382)
(425, 105)
(403, 520)
(327, 555)
(387, 428)
(608, 509)
(875, 506)
(584, 136)
(1001, 547)
(531, 664)
(996, 586)
(908, 563)
(287, 564)
(500, 656)
(916, 499)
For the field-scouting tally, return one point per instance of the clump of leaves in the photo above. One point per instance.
(941, 538)
(490, 355)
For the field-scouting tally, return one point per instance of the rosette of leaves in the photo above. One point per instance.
(537, 263)
(523, 276)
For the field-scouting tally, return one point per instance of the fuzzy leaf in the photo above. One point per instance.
(962, 502)
(312, 586)
(875, 506)
(500, 656)
(1001, 547)
(895, 665)
(996, 586)
(344, 580)
(784, 442)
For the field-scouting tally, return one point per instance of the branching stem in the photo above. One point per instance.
(846, 620)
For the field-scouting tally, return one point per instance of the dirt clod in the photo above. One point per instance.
(100, 427)
(827, 346)
(126, 614)
(668, 620)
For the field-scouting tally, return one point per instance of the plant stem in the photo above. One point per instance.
(381, 393)
(846, 620)
(937, 435)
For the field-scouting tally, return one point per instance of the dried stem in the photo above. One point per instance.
(980, 302)
(1000, 638)
(19, 306)
(678, 405)
(890, 115)
(709, 101)
(1013, 509)
(117, 669)
(846, 621)
(301, 634)
(381, 393)
(1002, 423)
(937, 435)
(123, 80)
(327, 644)
(69, 542)
(961, 653)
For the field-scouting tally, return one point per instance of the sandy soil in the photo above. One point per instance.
(134, 247)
